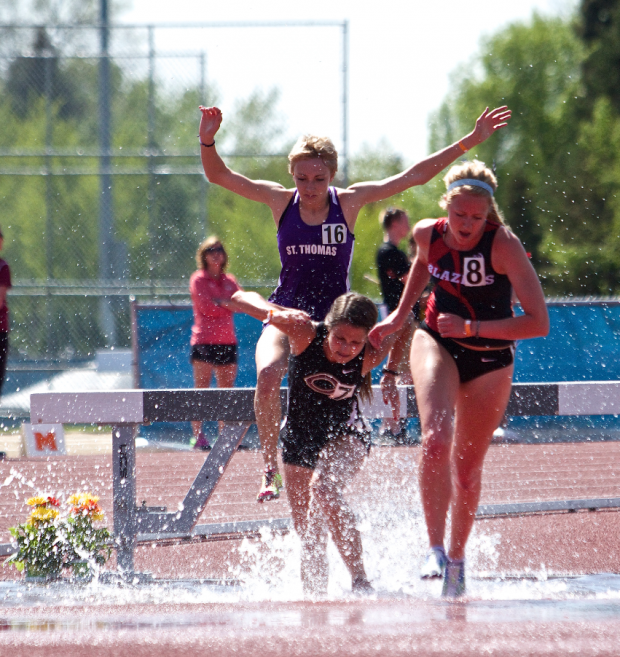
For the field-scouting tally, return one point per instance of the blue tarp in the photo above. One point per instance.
(163, 334)
(583, 345)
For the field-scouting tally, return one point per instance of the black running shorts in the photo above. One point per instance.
(216, 354)
(471, 363)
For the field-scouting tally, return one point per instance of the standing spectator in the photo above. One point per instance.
(213, 342)
(392, 263)
(5, 284)
(393, 266)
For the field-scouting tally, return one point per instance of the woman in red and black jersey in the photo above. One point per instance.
(462, 355)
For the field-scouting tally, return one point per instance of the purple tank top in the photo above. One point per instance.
(315, 259)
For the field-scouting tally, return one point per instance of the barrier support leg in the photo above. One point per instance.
(124, 492)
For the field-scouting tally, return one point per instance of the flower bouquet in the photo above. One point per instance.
(85, 544)
(39, 543)
(48, 541)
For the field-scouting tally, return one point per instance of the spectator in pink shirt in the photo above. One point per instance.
(213, 342)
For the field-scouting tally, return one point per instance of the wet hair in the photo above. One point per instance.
(479, 171)
(201, 254)
(310, 147)
(389, 216)
(358, 311)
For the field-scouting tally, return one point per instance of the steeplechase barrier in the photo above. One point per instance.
(126, 410)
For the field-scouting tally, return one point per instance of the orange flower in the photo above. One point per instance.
(85, 504)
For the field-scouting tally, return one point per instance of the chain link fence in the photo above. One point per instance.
(102, 193)
(95, 197)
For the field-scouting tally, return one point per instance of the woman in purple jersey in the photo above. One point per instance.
(315, 224)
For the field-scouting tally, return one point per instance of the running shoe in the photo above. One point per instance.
(454, 580)
(435, 563)
(202, 443)
(271, 486)
(362, 585)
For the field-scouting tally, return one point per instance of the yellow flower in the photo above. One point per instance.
(79, 499)
(41, 514)
(37, 501)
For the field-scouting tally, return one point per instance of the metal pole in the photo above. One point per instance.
(124, 494)
(152, 186)
(345, 102)
(49, 218)
(105, 162)
(204, 187)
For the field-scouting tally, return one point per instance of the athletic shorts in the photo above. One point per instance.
(471, 363)
(216, 354)
(303, 451)
(4, 354)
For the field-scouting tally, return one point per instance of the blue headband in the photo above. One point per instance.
(473, 182)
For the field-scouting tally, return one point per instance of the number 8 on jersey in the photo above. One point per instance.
(474, 272)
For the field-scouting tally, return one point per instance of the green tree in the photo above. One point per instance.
(598, 26)
(375, 163)
(547, 164)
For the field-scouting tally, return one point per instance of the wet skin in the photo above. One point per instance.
(312, 180)
(344, 342)
(467, 216)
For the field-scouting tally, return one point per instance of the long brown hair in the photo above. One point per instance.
(359, 311)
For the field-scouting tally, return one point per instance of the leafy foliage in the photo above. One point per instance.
(599, 28)
(48, 542)
(552, 163)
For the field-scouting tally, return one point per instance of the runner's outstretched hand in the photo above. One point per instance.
(210, 121)
(291, 317)
(488, 122)
(380, 331)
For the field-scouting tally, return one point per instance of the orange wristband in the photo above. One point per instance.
(463, 147)
(468, 328)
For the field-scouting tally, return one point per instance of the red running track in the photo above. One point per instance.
(576, 543)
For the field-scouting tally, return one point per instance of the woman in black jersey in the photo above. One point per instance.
(462, 355)
(325, 439)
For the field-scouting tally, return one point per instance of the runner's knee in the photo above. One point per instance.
(269, 379)
(437, 443)
(466, 479)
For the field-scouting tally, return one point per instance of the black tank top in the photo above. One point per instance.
(322, 395)
(465, 283)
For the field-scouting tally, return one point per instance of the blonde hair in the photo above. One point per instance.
(310, 147)
(478, 171)
(201, 254)
(359, 311)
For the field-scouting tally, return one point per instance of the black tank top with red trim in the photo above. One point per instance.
(465, 283)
